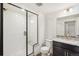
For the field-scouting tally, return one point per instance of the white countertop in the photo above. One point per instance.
(71, 42)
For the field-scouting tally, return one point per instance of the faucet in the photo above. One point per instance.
(67, 35)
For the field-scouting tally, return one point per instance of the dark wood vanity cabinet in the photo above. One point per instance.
(62, 49)
(71, 53)
(58, 51)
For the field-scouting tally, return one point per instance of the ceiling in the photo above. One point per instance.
(47, 7)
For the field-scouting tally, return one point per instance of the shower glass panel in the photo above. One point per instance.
(32, 32)
(14, 29)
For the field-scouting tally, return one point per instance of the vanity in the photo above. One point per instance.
(67, 33)
(64, 47)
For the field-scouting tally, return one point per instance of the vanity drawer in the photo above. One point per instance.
(66, 46)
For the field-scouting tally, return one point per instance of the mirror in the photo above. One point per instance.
(70, 28)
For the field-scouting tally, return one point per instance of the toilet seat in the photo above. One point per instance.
(44, 50)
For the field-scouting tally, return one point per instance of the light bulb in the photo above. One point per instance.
(70, 9)
(65, 11)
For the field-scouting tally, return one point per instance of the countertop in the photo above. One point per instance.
(67, 41)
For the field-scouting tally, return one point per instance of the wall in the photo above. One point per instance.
(50, 25)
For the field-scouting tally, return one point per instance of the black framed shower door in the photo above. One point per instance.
(27, 38)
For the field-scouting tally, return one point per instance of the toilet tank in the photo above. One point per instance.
(49, 42)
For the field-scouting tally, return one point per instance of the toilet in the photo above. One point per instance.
(49, 43)
(44, 50)
(47, 50)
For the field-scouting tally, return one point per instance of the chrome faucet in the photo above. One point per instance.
(67, 35)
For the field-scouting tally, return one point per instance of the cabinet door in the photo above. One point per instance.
(58, 51)
(71, 53)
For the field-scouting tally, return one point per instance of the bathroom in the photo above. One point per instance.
(40, 29)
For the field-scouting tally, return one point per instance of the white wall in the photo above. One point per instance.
(50, 25)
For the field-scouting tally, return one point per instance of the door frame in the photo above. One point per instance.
(1, 29)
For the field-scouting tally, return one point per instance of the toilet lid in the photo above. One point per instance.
(45, 48)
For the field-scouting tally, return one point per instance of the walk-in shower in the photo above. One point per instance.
(20, 30)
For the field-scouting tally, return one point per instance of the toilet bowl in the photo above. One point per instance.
(47, 49)
(44, 50)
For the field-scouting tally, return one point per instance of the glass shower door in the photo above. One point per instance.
(20, 30)
(14, 30)
(32, 32)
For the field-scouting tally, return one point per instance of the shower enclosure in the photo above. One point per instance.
(20, 30)
(32, 32)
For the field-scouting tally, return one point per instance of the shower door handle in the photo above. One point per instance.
(25, 33)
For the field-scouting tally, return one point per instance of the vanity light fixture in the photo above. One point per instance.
(65, 11)
(68, 10)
